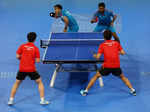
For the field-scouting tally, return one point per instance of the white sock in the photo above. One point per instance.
(86, 90)
(132, 89)
(11, 98)
(101, 82)
(42, 99)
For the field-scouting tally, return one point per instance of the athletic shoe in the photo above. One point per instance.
(44, 102)
(83, 93)
(10, 102)
(133, 92)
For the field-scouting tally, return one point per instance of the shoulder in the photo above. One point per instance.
(102, 44)
(35, 46)
(22, 45)
(116, 42)
(96, 12)
(65, 12)
(108, 11)
(37, 49)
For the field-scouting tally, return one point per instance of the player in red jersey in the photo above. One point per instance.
(111, 50)
(28, 54)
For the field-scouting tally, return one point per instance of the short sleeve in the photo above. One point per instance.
(119, 47)
(111, 14)
(100, 49)
(19, 51)
(95, 15)
(37, 53)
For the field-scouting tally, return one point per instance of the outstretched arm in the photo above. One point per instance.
(114, 18)
(66, 21)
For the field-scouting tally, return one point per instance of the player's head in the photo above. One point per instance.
(101, 7)
(58, 8)
(31, 36)
(107, 35)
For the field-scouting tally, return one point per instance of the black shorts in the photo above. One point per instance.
(23, 75)
(107, 71)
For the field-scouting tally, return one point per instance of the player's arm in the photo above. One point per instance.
(19, 52)
(66, 21)
(18, 56)
(114, 17)
(122, 52)
(95, 18)
(37, 60)
(37, 56)
(100, 52)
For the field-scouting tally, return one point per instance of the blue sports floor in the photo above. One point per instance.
(18, 17)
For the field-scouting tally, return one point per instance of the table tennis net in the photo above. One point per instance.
(45, 43)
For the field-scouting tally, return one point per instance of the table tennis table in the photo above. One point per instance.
(76, 49)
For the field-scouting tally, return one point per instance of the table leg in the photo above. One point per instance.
(54, 75)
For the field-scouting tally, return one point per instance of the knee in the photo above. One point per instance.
(18, 82)
(97, 75)
(122, 77)
(39, 81)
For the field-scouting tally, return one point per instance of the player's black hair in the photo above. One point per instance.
(107, 35)
(31, 36)
(58, 6)
(101, 4)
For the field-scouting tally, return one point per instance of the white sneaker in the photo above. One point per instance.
(10, 102)
(44, 102)
(133, 92)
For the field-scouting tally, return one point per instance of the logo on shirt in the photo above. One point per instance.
(29, 48)
(110, 44)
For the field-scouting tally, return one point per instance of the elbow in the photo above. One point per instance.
(37, 60)
(123, 53)
(18, 57)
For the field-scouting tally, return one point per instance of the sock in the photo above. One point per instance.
(101, 81)
(11, 99)
(86, 90)
(42, 99)
(132, 89)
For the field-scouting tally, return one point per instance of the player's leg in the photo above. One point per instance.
(14, 88)
(93, 80)
(112, 29)
(99, 74)
(128, 84)
(118, 72)
(20, 76)
(91, 83)
(35, 76)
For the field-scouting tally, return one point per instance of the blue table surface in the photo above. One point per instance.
(72, 52)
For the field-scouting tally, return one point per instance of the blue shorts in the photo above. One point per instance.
(100, 28)
(73, 29)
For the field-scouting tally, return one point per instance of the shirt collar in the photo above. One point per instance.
(30, 43)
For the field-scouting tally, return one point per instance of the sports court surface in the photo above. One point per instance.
(18, 17)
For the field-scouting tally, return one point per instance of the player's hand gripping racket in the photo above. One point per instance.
(52, 14)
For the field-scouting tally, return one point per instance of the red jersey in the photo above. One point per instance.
(28, 52)
(111, 50)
